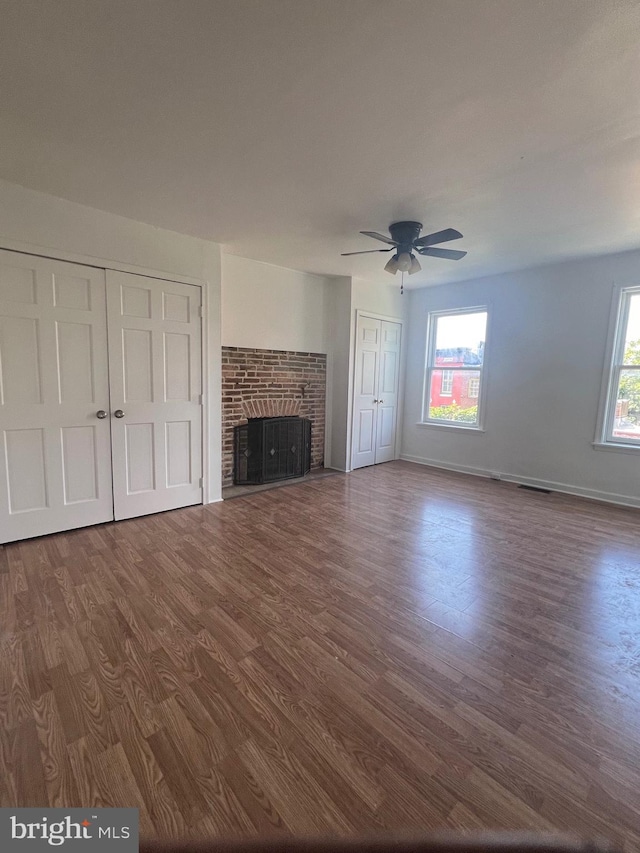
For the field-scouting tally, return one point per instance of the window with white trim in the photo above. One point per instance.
(622, 418)
(454, 375)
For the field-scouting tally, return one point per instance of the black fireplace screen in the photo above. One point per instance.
(268, 449)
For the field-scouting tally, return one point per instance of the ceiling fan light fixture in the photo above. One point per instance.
(405, 260)
(392, 265)
(405, 239)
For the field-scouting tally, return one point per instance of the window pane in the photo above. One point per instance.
(632, 338)
(457, 401)
(626, 423)
(446, 386)
(460, 339)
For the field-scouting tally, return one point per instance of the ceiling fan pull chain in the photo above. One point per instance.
(402, 284)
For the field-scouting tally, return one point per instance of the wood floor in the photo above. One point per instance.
(396, 649)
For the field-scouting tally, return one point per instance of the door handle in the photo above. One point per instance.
(381, 401)
(118, 413)
(101, 414)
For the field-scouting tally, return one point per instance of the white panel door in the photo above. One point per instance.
(55, 458)
(365, 404)
(375, 404)
(155, 379)
(388, 379)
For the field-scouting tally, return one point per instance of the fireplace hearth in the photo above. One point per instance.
(270, 449)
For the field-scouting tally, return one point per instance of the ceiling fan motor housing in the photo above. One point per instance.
(405, 233)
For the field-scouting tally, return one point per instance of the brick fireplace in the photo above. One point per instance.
(272, 383)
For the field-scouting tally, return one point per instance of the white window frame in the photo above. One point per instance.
(450, 374)
(430, 367)
(605, 438)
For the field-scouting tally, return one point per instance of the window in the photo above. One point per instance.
(454, 370)
(622, 421)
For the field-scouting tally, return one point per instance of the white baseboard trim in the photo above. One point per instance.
(434, 463)
(564, 488)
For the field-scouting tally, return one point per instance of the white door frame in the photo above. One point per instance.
(360, 312)
(210, 436)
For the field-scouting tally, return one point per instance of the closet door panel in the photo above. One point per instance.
(365, 403)
(156, 409)
(388, 381)
(55, 452)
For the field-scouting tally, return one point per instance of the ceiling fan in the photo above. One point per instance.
(405, 239)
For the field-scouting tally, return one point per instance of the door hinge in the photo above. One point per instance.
(200, 312)
(201, 482)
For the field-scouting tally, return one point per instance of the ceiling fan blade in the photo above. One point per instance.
(449, 254)
(377, 236)
(367, 252)
(438, 237)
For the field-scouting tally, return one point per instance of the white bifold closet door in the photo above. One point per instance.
(155, 383)
(375, 404)
(55, 453)
(100, 406)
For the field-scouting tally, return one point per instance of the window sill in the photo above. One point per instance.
(616, 448)
(457, 427)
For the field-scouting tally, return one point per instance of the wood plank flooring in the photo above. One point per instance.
(397, 649)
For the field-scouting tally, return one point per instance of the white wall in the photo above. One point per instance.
(379, 297)
(545, 357)
(339, 370)
(39, 223)
(270, 307)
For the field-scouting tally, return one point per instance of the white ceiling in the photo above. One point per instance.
(281, 128)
